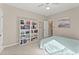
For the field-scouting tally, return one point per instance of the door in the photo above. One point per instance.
(1, 30)
(46, 29)
(41, 34)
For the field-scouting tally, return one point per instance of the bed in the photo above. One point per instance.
(57, 45)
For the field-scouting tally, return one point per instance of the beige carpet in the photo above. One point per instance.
(30, 49)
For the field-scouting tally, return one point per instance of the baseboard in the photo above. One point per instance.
(1, 49)
(10, 45)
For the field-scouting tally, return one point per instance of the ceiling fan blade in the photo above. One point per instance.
(40, 5)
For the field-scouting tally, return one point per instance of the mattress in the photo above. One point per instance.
(60, 45)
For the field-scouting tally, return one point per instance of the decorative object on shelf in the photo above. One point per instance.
(35, 31)
(22, 21)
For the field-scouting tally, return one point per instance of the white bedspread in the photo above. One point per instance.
(60, 45)
(54, 47)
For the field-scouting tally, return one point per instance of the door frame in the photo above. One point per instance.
(1, 32)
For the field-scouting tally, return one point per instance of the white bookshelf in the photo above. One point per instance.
(28, 31)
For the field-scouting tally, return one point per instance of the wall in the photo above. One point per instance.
(10, 23)
(73, 31)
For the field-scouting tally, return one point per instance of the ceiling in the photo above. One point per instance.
(40, 8)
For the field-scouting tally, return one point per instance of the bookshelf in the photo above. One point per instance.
(28, 31)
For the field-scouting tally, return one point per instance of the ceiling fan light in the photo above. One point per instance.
(47, 8)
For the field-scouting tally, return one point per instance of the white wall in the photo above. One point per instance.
(73, 31)
(10, 23)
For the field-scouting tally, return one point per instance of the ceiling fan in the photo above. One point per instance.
(47, 5)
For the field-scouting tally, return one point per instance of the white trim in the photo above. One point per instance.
(1, 50)
(10, 45)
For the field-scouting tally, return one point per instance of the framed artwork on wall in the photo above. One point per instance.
(64, 23)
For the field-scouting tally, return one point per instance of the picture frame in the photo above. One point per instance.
(64, 23)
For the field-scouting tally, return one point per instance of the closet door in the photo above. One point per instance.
(1, 30)
(50, 28)
(41, 34)
(46, 27)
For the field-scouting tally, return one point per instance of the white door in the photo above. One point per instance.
(1, 30)
(46, 29)
(41, 34)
